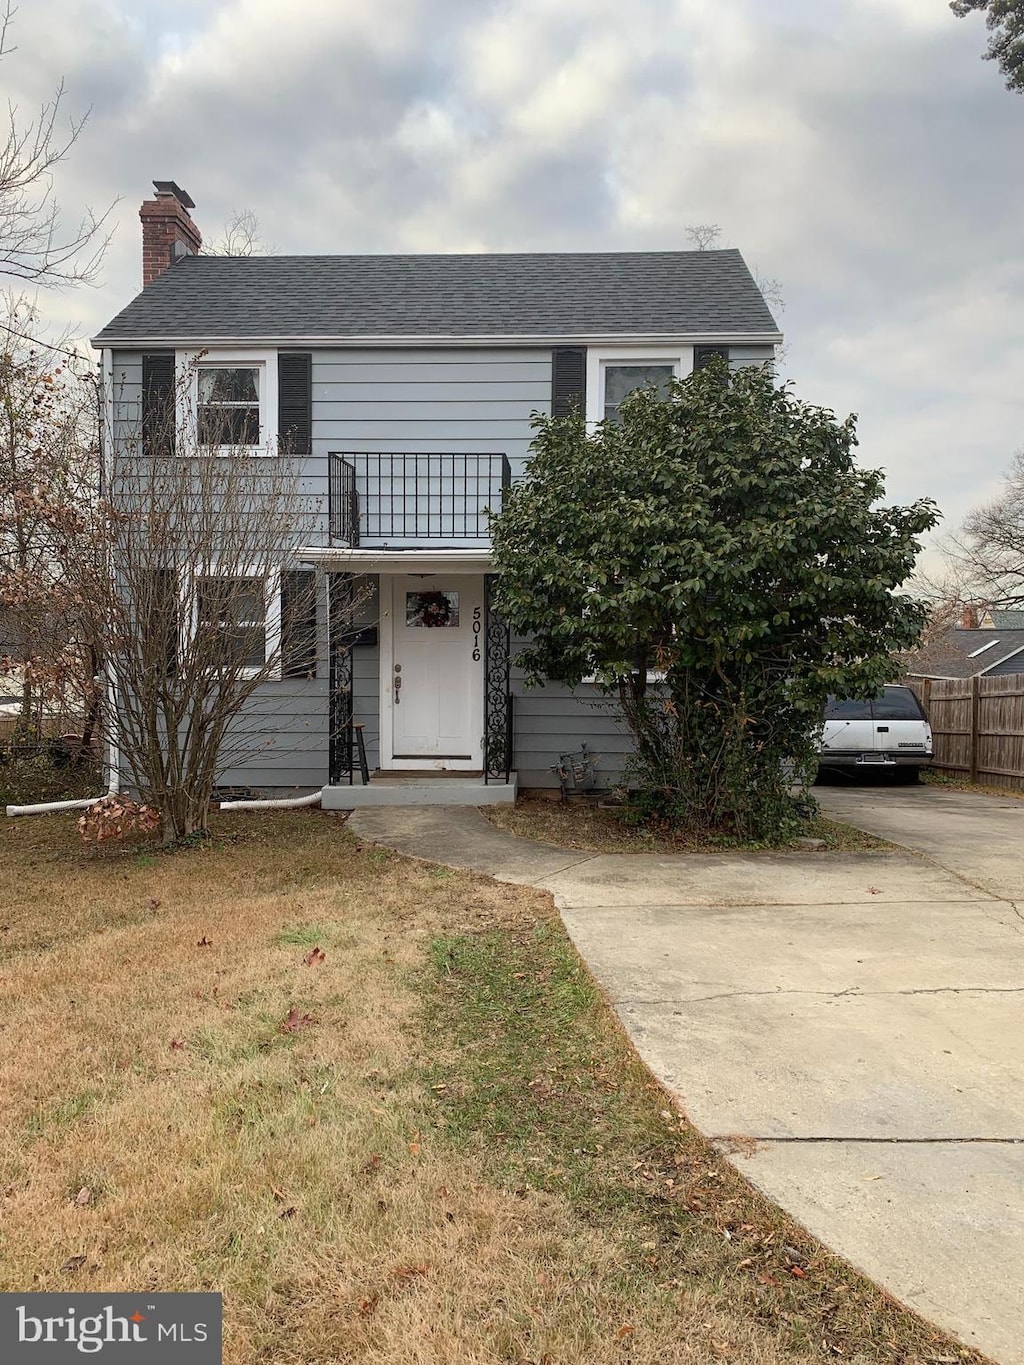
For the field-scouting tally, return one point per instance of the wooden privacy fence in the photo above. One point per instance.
(977, 726)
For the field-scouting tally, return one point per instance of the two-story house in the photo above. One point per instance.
(407, 384)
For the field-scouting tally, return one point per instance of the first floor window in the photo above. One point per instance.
(621, 380)
(228, 407)
(232, 616)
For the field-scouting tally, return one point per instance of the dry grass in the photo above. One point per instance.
(455, 1159)
(586, 825)
(937, 777)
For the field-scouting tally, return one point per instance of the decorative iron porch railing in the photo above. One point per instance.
(414, 497)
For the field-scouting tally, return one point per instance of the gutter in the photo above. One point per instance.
(457, 340)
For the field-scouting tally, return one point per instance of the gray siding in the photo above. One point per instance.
(554, 720)
(739, 356)
(453, 401)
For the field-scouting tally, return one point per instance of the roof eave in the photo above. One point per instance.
(186, 341)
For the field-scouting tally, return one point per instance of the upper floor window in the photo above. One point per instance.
(621, 380)
(228, 405)
(613, 375)
(229, 402)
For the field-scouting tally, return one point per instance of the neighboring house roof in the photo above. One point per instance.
(964, 653)
(1004, 618)
(554, 295)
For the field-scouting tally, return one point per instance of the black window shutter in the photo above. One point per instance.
(702, 354)
(161, 614)
(298, 623)
(568, 380)
(158, 402)
(295, 401)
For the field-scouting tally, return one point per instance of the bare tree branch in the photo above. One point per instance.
(703, 235)
(35, 244)
(989, 551)
(201, 637)
(242, 237)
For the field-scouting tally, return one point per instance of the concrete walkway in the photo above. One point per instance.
(858, 1014)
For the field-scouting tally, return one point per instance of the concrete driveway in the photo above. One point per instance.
(979, 838)
(858, 1015)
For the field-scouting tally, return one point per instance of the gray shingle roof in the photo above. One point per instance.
(955, 655)
(551, 295)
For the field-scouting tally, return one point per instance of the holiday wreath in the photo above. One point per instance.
(430, 609)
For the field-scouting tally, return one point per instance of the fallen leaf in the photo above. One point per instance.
(624, 1331)
(73, 1263)
(410, 1272)
(154, 903)
(295, 1021)
(288, 1212)
(800, 1273)
(279, 1195)
(204, 942)
(314, 957)
(874, 890)
(367, 1306)
(84, 1195)
(177, 1044)
(748, 1261)
(414, 1148)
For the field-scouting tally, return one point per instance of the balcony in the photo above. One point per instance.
(401, 500)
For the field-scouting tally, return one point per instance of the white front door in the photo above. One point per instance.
(432, 686)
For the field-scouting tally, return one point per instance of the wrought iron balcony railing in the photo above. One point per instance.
(410, 498)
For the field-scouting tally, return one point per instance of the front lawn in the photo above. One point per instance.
(381, 1106)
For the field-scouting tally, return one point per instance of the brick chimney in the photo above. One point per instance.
(969, 618)
(168, 231)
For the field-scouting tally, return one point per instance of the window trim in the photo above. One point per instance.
(599, 358)
(187, 367)
(272, 596)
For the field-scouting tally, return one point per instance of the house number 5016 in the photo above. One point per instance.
(477, 626)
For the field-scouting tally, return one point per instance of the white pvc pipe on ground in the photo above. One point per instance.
(282, 803)
(55, 807)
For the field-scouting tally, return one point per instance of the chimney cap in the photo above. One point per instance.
(169, 187)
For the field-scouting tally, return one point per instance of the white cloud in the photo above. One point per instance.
(859, 151)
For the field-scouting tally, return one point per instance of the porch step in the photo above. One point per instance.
(381, 778)
(437, 789)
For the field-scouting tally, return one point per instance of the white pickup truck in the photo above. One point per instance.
(889, 732)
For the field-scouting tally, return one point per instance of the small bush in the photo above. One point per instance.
(46, 771)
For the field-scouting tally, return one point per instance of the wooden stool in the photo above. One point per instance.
(364, 767)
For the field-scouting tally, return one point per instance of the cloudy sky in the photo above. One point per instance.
(857, 151)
